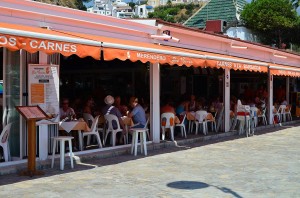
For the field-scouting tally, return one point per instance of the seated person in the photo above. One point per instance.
(137, 114)
(66, 111)
(89, 105)
(284, 102)
(182, 108)
(216, 105)
(192, 106)
(167, 108)
(122, 108)
(110, 109)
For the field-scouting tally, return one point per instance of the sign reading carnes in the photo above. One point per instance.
(161, 58)
(33, 45)
(236, 66)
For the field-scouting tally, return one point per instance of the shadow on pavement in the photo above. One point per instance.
(187, 185)
(194, 185)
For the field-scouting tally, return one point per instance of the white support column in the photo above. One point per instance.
(270, 98)
(43, 58)
(43, 129)
(43, 141)
(226, 99)
(154, 102)
(287, 88)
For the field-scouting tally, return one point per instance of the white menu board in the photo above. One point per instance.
(43, 87)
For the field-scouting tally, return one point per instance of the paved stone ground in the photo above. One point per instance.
(265, 165)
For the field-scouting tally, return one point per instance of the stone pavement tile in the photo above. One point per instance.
(265, 165)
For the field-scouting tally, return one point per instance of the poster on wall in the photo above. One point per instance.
(43, 85)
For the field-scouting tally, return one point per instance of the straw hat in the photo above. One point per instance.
(109, 100)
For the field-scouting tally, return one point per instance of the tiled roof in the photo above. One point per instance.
(228, 10)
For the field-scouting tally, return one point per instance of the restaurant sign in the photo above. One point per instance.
(165, 58)
(240, 66)
(43, 83)
(33, 45)
(161, 58)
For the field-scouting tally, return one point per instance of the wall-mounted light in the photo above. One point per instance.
(238, 46)
(279, 56)
(164, 37)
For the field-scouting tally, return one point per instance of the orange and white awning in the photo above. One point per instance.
(238, 64)
(179, 56)
(154, 54)
(33, 39)
(280, 70)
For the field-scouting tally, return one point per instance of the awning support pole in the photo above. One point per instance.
(154, 102)
(270, 98)
(226, 99)
(287, 88)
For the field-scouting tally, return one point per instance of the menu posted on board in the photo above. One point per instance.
(43, 85)
(31, 112)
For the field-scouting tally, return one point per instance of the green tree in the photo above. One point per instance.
(271, 19)
(169, 3)
(296, 3)
(177, 13)
(131, 4)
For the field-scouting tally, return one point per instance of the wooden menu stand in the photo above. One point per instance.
(31, 114)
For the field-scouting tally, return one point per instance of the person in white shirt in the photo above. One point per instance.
(65, 110)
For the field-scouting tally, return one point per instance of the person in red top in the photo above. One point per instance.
(167, 108)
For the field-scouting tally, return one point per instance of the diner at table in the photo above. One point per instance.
(122, 108)
(66, 112)
(133, 115)
(137, 114)
(110, 109)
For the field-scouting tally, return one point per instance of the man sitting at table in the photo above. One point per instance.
(66, 111)
(137, 114)
(110, 109)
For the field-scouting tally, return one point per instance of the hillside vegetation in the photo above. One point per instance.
(177, 13)
(75, 4)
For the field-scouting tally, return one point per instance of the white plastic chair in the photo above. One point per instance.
(93, 131)
(4, 142)
(263, 116)
(281, 111)
(136, 132)
(61, 140)
(253, 113)
(86, 118)
(182, 126)
(276, 114)
(147, 129)
(287, 112)
(212, 121)
(243, 115)
(110, 118)
(200, 118)
(167, 122)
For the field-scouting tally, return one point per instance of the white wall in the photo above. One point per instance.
(242, 33)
